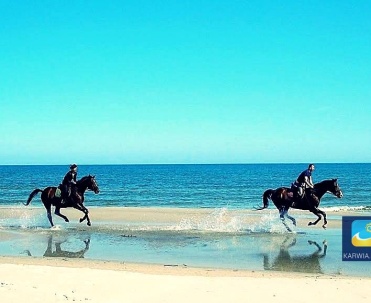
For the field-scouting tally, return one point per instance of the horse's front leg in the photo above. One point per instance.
(58, 213)
(83, 209)
(324, 218)
(317, 213)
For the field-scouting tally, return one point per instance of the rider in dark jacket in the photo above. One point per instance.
(69, 183)
(303, 181)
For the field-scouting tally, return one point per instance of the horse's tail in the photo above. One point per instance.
(266, 196)
(33, 194)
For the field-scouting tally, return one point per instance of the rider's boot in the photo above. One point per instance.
(296, 197)
(64, 198)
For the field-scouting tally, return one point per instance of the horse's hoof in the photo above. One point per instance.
(310, 223)
(324, 226)
(67, 220)
(89, 224)
(81, 220)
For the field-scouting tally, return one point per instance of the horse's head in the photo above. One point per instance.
(335, 188)
(92, 184)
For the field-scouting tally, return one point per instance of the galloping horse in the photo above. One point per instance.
(283, 199)
(49, 198)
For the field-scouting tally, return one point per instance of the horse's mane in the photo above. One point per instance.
(83, 179)
(324, 182)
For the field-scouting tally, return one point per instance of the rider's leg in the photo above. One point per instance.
(67, 194)
(64, 193)
(300, 191)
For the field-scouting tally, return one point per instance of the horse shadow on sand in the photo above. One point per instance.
(286, 261)
(59, 252)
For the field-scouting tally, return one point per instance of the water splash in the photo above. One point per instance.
(220, 220)
(269, 223)
(23, 218)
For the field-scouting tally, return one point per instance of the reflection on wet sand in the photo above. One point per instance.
(309, 263)
(59, 252)
(249, 251)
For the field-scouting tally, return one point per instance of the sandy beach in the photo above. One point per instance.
(58, 280)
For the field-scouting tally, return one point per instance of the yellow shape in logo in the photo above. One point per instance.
(357, 241)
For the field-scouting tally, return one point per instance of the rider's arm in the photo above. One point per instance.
(308, 181)
(73, 179)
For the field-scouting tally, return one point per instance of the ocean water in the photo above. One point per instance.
(238, 186)
(226, 238)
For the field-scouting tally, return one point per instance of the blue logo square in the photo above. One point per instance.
(356, 238)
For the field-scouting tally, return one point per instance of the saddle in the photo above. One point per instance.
(293, 195)
(58, 192)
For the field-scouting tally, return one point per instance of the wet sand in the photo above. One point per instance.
(129, 215)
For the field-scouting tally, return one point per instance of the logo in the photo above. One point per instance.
(361, 233)
(356, 238)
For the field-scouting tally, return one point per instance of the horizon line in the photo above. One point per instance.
(220, 163)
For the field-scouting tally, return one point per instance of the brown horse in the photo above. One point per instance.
(49, 198)
(283, 199)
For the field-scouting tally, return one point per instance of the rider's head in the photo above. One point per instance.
(73, 167)
(311, 167)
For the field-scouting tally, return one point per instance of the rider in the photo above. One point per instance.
(303, 181)
(69, 183)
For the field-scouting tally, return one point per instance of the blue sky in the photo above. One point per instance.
(99, 82)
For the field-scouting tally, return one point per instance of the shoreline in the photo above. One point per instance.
(205, 219)
(163, 269)
(118, 212)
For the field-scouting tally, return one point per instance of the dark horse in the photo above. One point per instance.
(283, 199)
(49, 198)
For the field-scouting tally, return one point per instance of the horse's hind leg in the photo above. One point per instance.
(58, 213)
(49, 213)
(289, 217)
(282, 217)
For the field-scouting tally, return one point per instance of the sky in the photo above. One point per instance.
(160, 82)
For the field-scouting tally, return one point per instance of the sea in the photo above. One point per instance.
(224, 190)
(235, 186)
